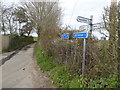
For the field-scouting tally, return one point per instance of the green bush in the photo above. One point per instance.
(61, 76)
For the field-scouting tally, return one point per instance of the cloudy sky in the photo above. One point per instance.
(73, 8)
(85, 8)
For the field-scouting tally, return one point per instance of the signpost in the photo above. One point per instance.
(84, 51)
(91, 17)
(78, 35)
(88, 21)
(83, 35)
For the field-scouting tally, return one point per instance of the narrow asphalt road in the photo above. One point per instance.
(21, 71)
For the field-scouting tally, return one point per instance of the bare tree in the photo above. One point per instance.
(3, 10)
(43, 14)
(28, 28)
(9, 18)
(21, 17)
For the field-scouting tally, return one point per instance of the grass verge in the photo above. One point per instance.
(44, 61)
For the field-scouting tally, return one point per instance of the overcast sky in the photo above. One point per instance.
(73, 8)
(85, 8)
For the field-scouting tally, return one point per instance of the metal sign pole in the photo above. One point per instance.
(84, 52)
(91, 19)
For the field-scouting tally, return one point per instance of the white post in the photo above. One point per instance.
(84, 52)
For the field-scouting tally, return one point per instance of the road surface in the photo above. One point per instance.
(21, 71)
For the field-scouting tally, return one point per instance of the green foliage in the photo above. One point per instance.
(109, 82)
(61, 76)
(78, 82)
(113, 80)
(44, 61)
(100, 82)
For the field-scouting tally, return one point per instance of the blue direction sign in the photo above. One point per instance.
(65, 36)
(75, 35)
(80, 35)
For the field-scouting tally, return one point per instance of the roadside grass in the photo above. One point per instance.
(60, 74)
(44, 61)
